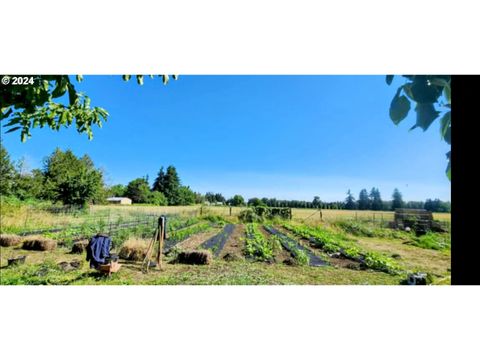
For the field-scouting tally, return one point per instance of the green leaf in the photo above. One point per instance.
(140, 79)
(399, 107)
(79, 78)
(126, 77)
(426, 114)
(424, 92)
(165, 79)
(4, 115)
(13, 129)
(445, 123)
(175, 77)
(389, 79)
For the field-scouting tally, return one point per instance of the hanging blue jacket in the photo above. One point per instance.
(98, 250)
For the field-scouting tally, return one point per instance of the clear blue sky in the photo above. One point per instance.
(289, 137)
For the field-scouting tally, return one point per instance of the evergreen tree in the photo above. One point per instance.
(350, 201)
(169, 184)
(397, 200)
(210, 197)
(363, 200)
(316, 203)
(158, 184)
(376, 199)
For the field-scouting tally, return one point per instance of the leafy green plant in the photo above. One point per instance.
(331, 243)
(178, 235)
(257, 246)
(301, 257)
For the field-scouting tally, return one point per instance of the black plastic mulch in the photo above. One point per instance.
(218, 241)
(288, 244)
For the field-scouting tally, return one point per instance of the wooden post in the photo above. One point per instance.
(230, 211)
(161, 236)
(356, 216)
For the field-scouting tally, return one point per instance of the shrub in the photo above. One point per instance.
(249, 216)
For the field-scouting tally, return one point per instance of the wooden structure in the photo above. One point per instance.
(109, 268)
(119, 200)
(419, 220)
(159, 236)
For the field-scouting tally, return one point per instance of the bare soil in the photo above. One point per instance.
(235, 243)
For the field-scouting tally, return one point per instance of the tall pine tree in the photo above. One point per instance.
(376, 199)
(363, 200)
(350, 201)
(397, 200)
(158, 184)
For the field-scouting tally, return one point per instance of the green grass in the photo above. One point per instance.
(218, 273)
(434, 241)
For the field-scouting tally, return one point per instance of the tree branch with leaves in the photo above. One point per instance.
(432, 95)
(40, 104)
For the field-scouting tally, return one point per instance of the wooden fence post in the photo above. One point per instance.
(161, 236)
(230, 211)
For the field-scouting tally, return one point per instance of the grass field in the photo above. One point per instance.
(349, 230)
(297, 214)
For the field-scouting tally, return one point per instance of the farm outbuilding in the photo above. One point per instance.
(119, 200)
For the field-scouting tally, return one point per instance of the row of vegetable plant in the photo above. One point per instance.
(257, 246)
(330, 243)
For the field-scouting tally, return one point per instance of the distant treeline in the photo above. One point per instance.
(69, 179)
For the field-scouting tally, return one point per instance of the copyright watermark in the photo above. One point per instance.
(5, 80)
(17, 80)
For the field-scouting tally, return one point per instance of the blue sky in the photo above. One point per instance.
(289, 137)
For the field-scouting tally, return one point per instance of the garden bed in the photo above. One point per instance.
(217, 242)
(295, 248)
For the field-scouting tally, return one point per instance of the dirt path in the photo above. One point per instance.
(235, 243)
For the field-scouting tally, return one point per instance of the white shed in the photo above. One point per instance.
(119, 200)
